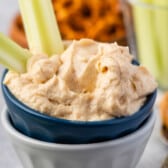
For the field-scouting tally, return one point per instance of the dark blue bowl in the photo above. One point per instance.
(40, 126)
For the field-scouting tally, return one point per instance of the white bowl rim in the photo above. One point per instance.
(52, 146)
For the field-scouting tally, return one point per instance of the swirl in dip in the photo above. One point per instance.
(89, 81)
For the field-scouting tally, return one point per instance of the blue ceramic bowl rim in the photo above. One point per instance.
(36, 113)
(6, 123)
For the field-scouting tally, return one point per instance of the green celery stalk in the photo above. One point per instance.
(12, 56)
(147, 1)
(161, 31)
(161, 3)
(41, 27)
(145, 36)
(151, 25)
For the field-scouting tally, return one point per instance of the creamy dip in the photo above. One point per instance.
(88, 81)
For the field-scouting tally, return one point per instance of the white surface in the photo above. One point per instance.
(155, 151)
(38, 154)
(8, 158)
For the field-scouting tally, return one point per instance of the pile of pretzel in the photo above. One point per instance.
(97, 19)
(100, 20)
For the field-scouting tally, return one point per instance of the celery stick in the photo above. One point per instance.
(147, 48)
(147, 1)
(161, 30)
(161, 3)
(12, 56)
(41, 27)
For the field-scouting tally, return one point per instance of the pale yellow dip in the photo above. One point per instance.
(89, 81)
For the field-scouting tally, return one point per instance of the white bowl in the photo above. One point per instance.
(124, 152)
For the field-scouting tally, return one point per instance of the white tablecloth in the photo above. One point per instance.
(155, 151)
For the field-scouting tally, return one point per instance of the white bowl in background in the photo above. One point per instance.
(124, 152)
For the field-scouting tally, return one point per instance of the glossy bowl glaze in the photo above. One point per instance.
(40, 126)
(124, 152)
